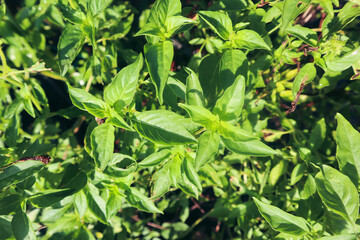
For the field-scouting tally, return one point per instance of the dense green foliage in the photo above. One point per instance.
(197, 119)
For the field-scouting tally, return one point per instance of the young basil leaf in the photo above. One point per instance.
(122, 89)
(306, 74)
(344, 62)
(305, 34)
(291, 9)
(70, 14)
(158, 60)
(318, 135)
(115, 119)
(161, 182)
(96, 107)
(235, 133)
(228, 107)
(102, 144)
(11, 132)
(232, 64)
(348, 13)
(80, 203)
(194, 93)
(97, 6)
(78, 96)
(249, 148)
(201, 116)
(208, 146)
(338, 193)
(249, 39)
(22, 227)
(177, 24)
(282, 221)
(187, 168)
(347, 150)
(175, 170)
(159, 127)
(162, 10)
(297, 173)
(139, 201)
(219, 22)
(150, 29)
(277, 171)
(155, 159)
(70, 43)
(114, 203)
(96, 204)
(121, 166)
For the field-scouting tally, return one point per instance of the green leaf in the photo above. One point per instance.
(139, 201)
(228, 107)
(96, 204)
(79, 96)
(306, 74)
(340, 237)
(2, 10)
(349, 12)
(21, 227)
(235, 133)
(219, 22)
(13, 108)
(121, 166)
(277, 171)
(122, 89)
(249, 148)
(155, 159)
(49, 197)
(28, 106)
(161, 182)
(80, 203)
(175, 170)
(70, 43)
(115, 119)
(209, 77)
(297, 173)
(177, 24)
(194, 93)
(9, 204)
(11, 132)
(70, 14)
(249, 39)
(232, 64)
(305, 34)
(18, 172)
(347, 150)
(187, 168)
(150, 29)
(318, 135)
(159, 127)
(158, 59)
(96, 107)
(102, 144)
(162, 10)
(282, 221)
(338, 193)
(208, 146)
(97, 6)
(114, 203)
(201, 116)
(344, 62)
(291, 9)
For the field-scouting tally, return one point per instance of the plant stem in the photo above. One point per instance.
(197, 222)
